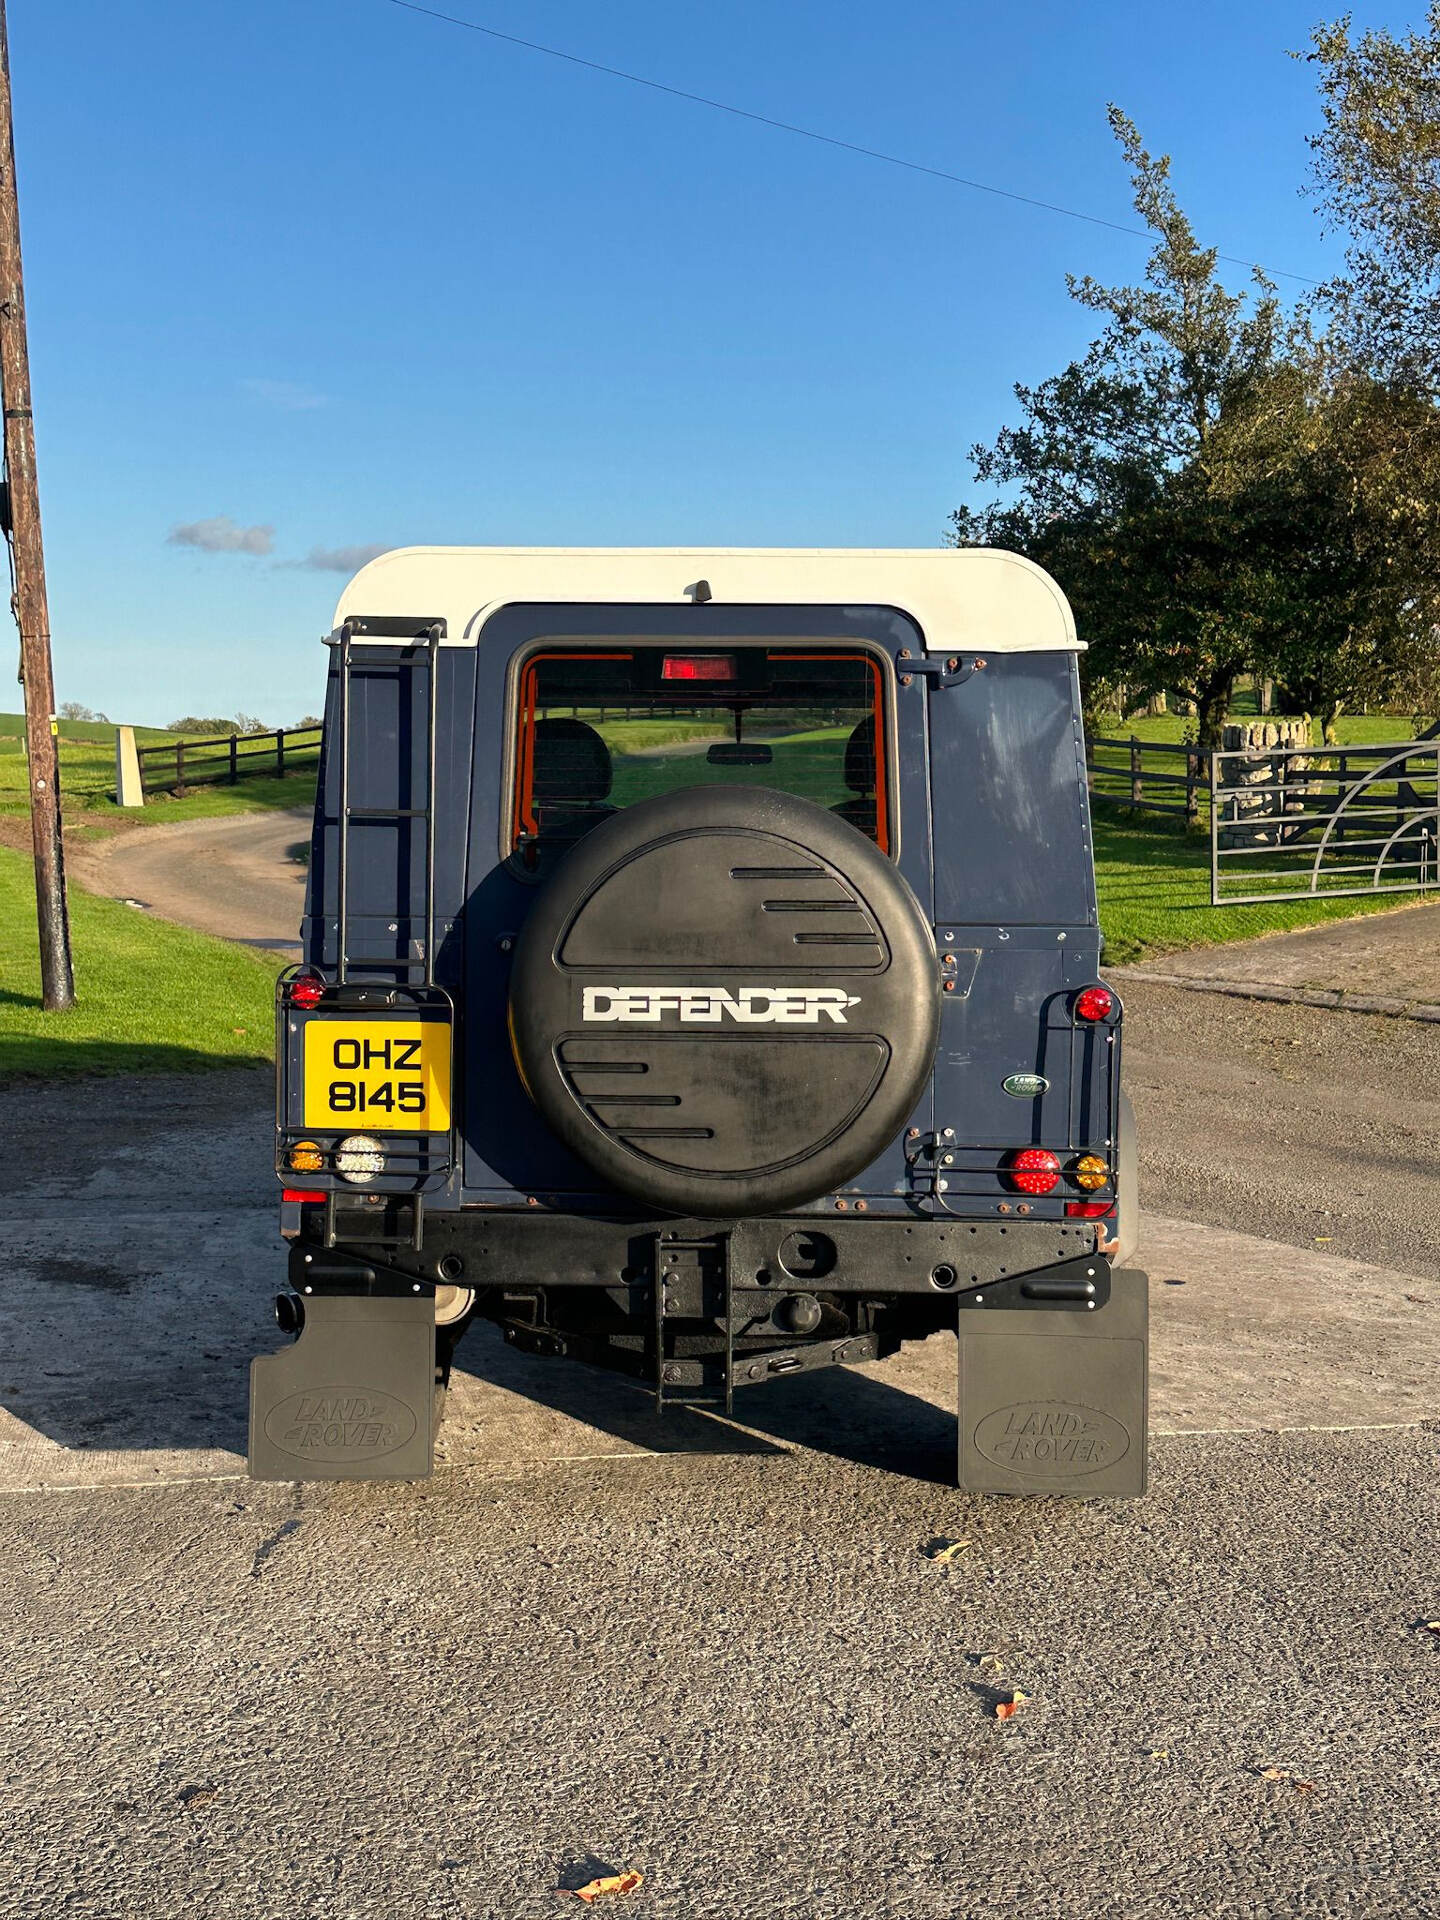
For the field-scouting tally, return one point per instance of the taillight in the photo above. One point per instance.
(1091, 1171)
(1088, 1209)
(1034, 1170)
(305, 991)
(306, 1156)
(1094, 1003)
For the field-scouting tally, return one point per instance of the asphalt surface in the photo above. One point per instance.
(233, 876)
(1394, 955)
(718, 1654)
(741, 1677)
(1317, 1128)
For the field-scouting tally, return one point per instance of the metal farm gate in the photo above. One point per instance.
(1301, 823)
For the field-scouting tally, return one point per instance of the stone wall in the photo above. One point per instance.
(1257, 792)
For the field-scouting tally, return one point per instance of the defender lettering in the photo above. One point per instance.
(750, 1006)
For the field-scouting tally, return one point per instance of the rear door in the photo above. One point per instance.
(1015, 903)
(509, 1152)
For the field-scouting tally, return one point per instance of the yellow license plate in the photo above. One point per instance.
(372, 1076)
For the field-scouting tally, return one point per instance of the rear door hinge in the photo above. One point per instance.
(937, 669)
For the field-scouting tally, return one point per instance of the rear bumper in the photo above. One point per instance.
(1052, 1366)
(884, 1255)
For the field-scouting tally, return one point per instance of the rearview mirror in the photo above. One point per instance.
(737, 753)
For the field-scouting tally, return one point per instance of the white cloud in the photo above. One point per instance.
(292, 396)
(339, 559)
(221, 534)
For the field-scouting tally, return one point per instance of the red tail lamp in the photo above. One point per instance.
(1088, 1209)
(1034, 1170)
(698, 666)
(306, 991)
(1094, 1003)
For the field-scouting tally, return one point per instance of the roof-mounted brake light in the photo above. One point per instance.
(698, 666)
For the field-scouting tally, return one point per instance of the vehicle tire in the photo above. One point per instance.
(726, 1001)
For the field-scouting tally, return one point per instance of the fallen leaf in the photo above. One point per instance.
(1284, 1773)
(1432, 1626)
(1007, 1709)
(1160, 1753)
(239, 1029)
(991, 1663)
(946, 1550)
(609, 1883)
(196, 1796)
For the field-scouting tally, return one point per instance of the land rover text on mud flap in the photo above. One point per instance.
(701, 980)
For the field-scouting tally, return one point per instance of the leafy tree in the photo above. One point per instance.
(242, 723)
(1118, 484)
(1337, 478)
(1377, 175)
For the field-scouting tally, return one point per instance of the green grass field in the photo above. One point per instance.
(87, 778)
(1154, 886)
(1352, 729)
(152, 997)
(157, 997)
(810, 764)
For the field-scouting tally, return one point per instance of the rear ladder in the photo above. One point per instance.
(420, 650)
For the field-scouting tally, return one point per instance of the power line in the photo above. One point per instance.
(821, 139)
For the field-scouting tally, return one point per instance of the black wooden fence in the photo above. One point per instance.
(228, 757)
(1155, 776)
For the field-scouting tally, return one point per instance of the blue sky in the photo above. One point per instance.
(355, 277)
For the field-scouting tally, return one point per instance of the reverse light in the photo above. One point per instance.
(1034, 1170)
(305, 991)
(1090, 1171)
(698, 666)
(1088, 1209)
(1094, 1003)
(305, 1156)
(359, 1158)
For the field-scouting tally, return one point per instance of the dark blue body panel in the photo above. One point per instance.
(994, 840)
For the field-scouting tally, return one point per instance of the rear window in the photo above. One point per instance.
(597, 730)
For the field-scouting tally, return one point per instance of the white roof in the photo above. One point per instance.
(959, 597)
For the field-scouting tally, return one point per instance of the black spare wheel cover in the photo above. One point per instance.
(726, 1000)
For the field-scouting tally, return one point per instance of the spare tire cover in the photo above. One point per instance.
(725, 1000)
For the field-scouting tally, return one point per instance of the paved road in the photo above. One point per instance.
(717, 1652)
(1390, 955)
(1308, 1126)
(739, 1675)
(233, 876)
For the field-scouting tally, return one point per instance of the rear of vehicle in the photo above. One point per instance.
(702, 981)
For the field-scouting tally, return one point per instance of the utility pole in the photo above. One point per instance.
(32, 612)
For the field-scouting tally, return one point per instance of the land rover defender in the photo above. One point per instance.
(702, 980)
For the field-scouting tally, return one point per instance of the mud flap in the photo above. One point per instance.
(1054, 1401)
(353, 1398)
